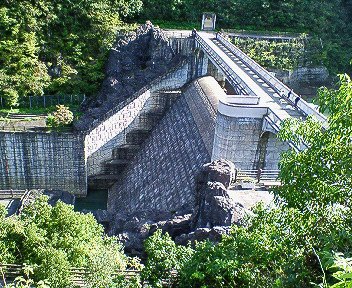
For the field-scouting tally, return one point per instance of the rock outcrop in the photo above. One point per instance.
(134, 61)
(133, 229)
(213, 214)
(214, 206)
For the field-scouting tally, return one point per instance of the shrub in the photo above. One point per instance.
(164, 257)
(10, 97)
(62, 117)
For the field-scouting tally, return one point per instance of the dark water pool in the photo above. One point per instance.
(96, 199)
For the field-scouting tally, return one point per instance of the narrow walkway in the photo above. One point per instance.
(268, 97)
(285, 104)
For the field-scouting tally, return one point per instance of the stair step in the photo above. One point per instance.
(125, 152)
(137, 136)
(117, 162)
(115, 166)
(104, 177)
(103, 181)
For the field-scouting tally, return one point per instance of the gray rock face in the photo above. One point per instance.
(212, 215)
(310, 75)
(220, 171)
(200, 234)
(214, 207)
(133, 229)
(134, 61)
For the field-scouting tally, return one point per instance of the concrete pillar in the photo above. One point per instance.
(201, 64)
(238, 129)
(216, 73)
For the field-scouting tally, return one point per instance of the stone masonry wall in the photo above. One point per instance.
(162, 175)
(273, 152)
(42, 161)
(110, 132)
(236, 139)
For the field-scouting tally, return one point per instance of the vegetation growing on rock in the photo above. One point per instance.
(270, 54)
(60, 46)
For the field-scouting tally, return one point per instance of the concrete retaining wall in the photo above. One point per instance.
(275, 147)
(42, 160)
(111, 131)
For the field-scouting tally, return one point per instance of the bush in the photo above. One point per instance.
(62, 117)
(11, 98)
(164, 257)
(53, 240)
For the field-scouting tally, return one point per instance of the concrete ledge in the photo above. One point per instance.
(228, 108)
(243, 99)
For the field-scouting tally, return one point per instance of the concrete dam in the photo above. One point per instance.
(162, 113)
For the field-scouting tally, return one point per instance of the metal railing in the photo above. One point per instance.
(12, 194)
(177, 34)
(11, 271)
(231, 75)
(47, 100)
(272, 81)
(257, 175)
(274, 121)
(264, 34)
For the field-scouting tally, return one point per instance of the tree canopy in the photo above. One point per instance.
(57, 46)
(328, 22)
(52, 240)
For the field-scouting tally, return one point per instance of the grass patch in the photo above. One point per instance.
(39, 110)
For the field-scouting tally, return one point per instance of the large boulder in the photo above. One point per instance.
(200, 234)
(220, 171)
(133, 228)
(214, 206)
(134, 61)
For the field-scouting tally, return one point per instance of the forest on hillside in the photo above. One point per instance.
(60, 47)
(328, 22)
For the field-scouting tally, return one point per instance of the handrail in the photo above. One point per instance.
(258, 175)
(12, 194)
(271, 80)
(13, 270)
(226, 68)
(274, 120)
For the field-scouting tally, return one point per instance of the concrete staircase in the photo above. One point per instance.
(122, 155)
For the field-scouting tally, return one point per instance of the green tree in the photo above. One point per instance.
(164, 257)
(321, 174)
(57, 47)
(291, 244)
(52, 240)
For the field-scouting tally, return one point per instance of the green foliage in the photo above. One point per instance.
(342, 268)
(328, 22)
(270, 54)
(57, 47)
(274, 250)
(52, 240)
(322, 173)
(3, 212)
(61, 117)
(26, 281)
(164, 256)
